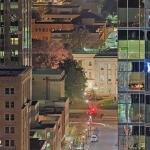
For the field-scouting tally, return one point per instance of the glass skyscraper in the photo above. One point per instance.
(15, 74)
(15, 33)
(134, 75)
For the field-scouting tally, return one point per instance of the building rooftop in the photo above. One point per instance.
(41, 125)
(12, 71)
(85, 50)
(36, 144)
(50, 110)
(48, 71)
(107, 53)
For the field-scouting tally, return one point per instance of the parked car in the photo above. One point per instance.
(94, 138)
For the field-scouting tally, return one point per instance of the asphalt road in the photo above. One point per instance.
(107, 138)
(107, 131)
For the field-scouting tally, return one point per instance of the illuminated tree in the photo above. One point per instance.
(52, 55)
(58, 53)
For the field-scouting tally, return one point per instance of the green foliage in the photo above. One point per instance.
(75, 79)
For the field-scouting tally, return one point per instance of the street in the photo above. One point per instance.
(107, 139)
(107, 130)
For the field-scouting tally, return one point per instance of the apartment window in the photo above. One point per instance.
(1, 54)
(9, 90)
(1, 6)
(12, 104)
(14, 41)
(12, 90)
(9, 143)
(6, 90)
(9, 104)
(6, 129)
(12, 117)
(10, 130)
(6, 142)
(13, 29)
(7, 117)
(14, 5)
(12, 143)
(6, 104)
(148, 131)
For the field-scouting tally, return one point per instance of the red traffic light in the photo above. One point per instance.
(92, 110)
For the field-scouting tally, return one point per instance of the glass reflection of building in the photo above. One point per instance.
(134, 75)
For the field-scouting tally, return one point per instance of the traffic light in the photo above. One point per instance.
(92, 111)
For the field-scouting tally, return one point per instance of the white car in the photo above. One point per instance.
(94, 138)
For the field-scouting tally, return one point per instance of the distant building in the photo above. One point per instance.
(53, 123)
(44, 30)
(16, 92)
(100, 69)
(87, 62)
(48, 84)
(106, 72)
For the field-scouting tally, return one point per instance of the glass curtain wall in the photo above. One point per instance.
(134, 74)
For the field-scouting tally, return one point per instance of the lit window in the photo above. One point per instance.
(14, 41)
(1, 54)
(13, 29)
(1, 18)
(14, 5)
(1, 6)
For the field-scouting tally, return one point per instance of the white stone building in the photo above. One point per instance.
(100, 70)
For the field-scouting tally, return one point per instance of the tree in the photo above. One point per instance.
(79, 38)
(45, 55)
(58, 53)
(75, 79)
